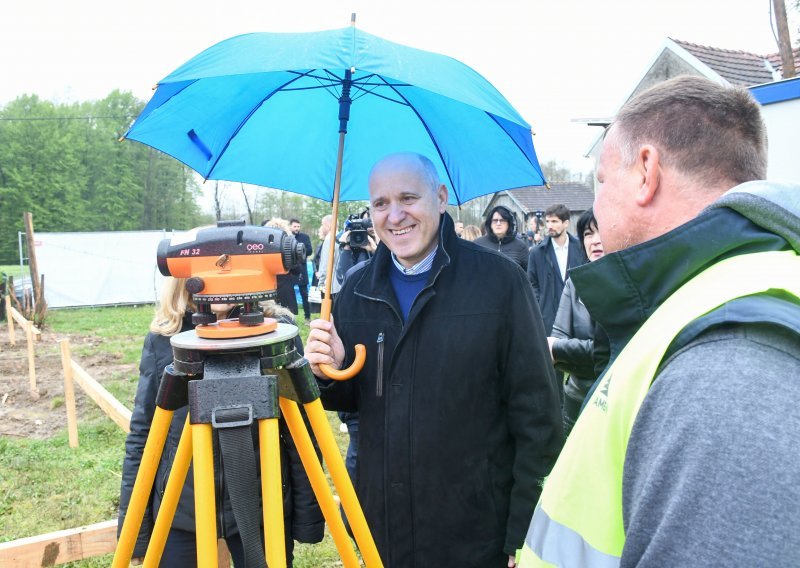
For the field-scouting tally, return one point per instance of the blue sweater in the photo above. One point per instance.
(406, 288)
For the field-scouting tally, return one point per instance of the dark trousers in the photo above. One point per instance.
(181, 550)
(303, 287)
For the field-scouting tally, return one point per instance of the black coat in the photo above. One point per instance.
(459, 407)
(511, 246)
(545, 277)
(573, 351)
(304, 521)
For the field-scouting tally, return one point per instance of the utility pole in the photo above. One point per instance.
(784, 42)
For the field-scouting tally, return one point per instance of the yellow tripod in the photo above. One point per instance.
(254, 378)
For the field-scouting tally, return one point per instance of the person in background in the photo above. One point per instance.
(350, 252)
(533, 236)
(457, 398)
(550, 260)
(501, 235)
(302, 516)
(285, 291)
(471, 233)
(322, 232)
(459, 228)
(322, 273)
(572, 342)
(301, 280)
(686, 451)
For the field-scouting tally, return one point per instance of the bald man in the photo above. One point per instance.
(458, 403)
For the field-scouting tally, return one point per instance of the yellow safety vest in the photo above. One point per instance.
(578, 520)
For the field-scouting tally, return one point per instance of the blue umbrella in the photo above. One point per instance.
(263, 108)
(266, 109)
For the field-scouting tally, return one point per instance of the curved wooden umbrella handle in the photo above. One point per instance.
(361, 352)
(349, 372)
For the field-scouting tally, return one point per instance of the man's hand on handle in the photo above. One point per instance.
(324, 346)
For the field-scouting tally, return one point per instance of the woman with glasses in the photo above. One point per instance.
(501, 235)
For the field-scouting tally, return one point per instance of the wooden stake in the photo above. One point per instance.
(69, 393)
(28, 218)
(31, 361)
(11, 337)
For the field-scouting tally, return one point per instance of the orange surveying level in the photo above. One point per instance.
(231, 374)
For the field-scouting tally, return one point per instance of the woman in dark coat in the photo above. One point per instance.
(302, 516)
(572, 344)
(501, 235)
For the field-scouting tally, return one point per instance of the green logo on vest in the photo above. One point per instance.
(601, 396)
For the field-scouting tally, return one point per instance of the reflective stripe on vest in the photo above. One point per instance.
(578, 521)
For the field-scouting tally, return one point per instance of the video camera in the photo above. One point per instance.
(358, 231)
(231, 263)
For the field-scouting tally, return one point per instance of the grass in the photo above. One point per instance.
(121, 330)
(13, 270)
(46, 486)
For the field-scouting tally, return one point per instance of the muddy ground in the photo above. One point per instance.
(25, 415)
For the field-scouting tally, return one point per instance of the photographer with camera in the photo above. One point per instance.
(357, 243)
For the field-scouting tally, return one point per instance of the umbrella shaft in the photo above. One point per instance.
(337, 182)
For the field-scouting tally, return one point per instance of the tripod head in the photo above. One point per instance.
(231, 263)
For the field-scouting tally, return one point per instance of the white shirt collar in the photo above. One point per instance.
(423, 265)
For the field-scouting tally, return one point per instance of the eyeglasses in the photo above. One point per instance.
(499, 221)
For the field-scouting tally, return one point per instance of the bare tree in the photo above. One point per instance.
(217, 201)
(247, 204)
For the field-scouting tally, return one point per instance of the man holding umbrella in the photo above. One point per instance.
(458, 402)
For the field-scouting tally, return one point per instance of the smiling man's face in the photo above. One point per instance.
(405, 208)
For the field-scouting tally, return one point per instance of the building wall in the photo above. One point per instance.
(782, 120)
(667, 66)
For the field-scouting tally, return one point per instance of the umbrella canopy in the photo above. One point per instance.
(264, 108)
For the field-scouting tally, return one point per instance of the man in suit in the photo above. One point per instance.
(550, 260)
(301, 281)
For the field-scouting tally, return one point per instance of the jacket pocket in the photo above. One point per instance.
(379, 374)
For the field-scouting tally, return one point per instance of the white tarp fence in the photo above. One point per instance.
(95, 269)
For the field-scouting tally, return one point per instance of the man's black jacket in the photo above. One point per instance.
(545, 277)
(459, 406)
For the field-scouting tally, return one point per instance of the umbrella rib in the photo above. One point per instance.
(433, 140)
(333, 80)
(372, 92)
(246, 118)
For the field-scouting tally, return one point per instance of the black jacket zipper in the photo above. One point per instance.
(379, 383)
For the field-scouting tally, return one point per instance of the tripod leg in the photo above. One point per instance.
(142, 487)
(271, 492)
(204, 505)
(172, 493)
(291, 413)
(343, 484)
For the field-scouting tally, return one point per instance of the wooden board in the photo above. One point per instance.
(60, 547)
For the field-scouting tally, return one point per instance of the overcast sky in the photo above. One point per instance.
(554, 60)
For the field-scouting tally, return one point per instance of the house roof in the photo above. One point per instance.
(576, 196)
(736, 67)
(775, 61)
